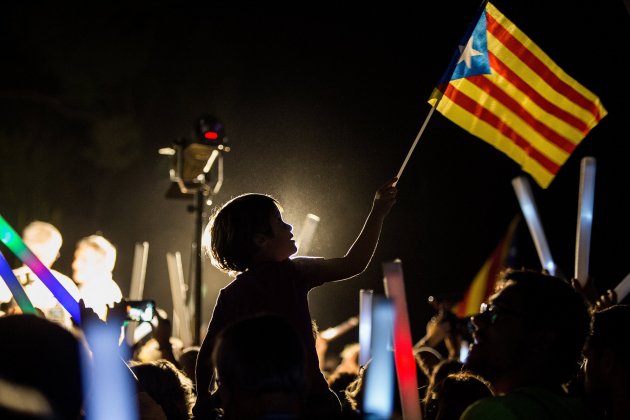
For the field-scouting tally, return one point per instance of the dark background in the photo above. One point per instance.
(320, 106)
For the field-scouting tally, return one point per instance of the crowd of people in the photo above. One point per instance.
(539, 347)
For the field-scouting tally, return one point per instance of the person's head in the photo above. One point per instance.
(439, 372)
(606, 352)
(44, 240)
(168, 386)
(531, 331)
(188, 360)
(427, 359)
(259, 355)
(18, 402)
(246, 230)
(94, 258)
(454, 394)
(41, 355)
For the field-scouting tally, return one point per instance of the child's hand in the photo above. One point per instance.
(385, 197)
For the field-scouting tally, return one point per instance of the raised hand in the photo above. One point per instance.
(606, 300)
(385, 197)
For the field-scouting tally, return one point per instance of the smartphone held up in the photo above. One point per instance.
(140, 310)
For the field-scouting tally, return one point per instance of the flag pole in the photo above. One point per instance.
(447, 77)
(415, 142)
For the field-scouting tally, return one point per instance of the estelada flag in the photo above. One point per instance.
(502, 88)
(484, 283)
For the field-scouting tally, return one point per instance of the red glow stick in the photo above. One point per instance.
(403, 347)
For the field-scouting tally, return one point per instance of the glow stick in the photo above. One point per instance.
(181, 315)
(623, 288)
(378, 401)
(306, 233)
(138, 270)
(365, 325)
(107, 380)
(15, 287)
(528, 207)
(403, 346)
(330, 334)
(136, 289)
(13, 241)
(585, 219)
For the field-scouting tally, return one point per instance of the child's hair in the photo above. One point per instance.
(229, 236)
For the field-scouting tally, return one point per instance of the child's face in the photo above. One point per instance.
(280, 245)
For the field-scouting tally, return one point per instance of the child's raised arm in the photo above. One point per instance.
(360, 253)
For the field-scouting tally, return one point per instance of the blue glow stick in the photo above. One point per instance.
(528, 207)
(107, 380)
(585, 219)
(15, 287)
(365, 325)
(14, 242)
(378, 401)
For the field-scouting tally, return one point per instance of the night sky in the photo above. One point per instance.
(320, 108)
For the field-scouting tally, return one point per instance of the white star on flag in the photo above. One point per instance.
(467, 52)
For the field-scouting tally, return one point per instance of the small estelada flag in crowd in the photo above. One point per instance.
(502, 88)
(484, 283)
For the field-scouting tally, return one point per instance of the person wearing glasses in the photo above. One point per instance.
(527, 343)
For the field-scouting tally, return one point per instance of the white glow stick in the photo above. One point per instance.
(330, 334)
(138, 270)
(623, 288)
(365, 325)
(378, 401)
(307, 233)
(136, 289)
(528, 207)
(108, 382)
(181, 315)
(403, 346)
(585, 219)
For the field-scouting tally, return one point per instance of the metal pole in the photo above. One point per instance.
(199, 215)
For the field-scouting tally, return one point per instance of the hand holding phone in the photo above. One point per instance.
(140, 310)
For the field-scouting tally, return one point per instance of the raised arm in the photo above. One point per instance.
(360, 253)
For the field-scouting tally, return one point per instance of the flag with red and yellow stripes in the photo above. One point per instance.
(502, 88)
(484, 283)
